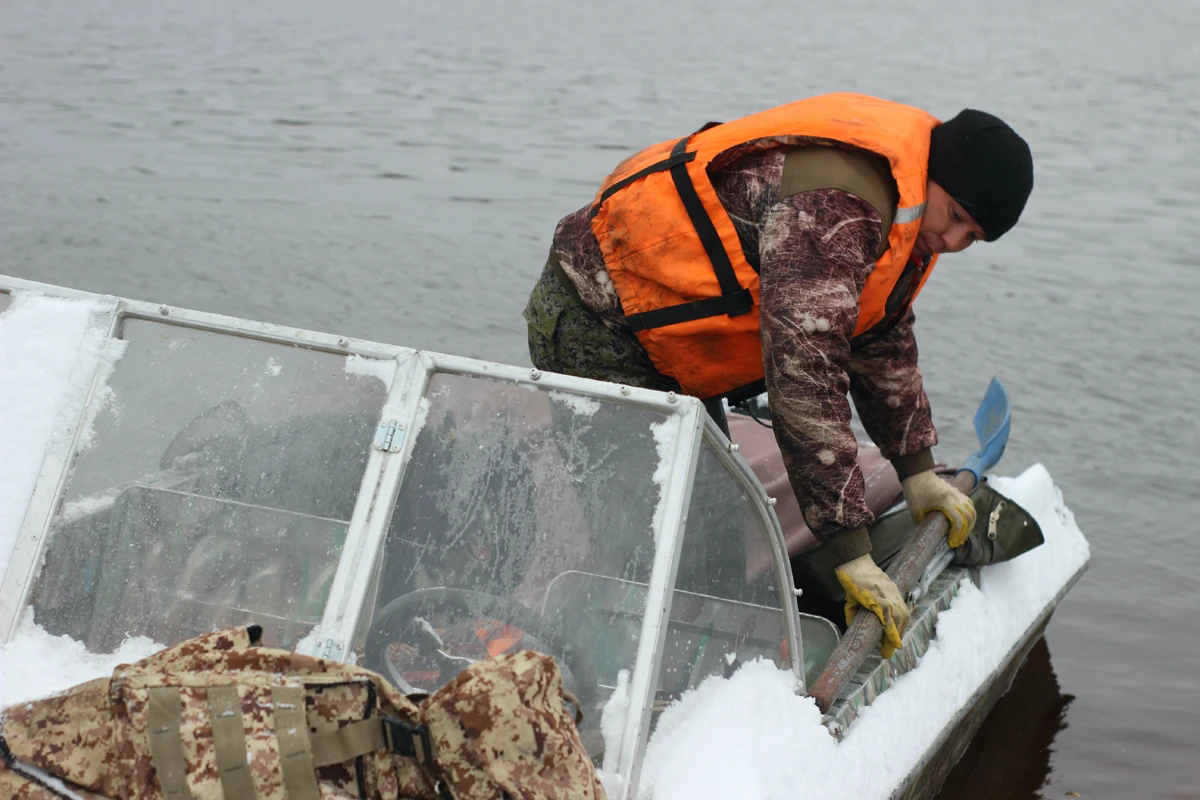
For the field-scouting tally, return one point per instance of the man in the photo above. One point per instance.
(784, 250)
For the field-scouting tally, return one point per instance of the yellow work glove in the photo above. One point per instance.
(869, 587)
(925, 492)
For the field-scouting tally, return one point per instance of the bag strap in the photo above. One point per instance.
(387, 733)
(367, 736)
(229, 742)
(295, 752)
(166, 742)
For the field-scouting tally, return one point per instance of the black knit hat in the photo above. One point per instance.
(983, 164)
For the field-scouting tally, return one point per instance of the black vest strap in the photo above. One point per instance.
(683, 312)
(734, 300)
(657, 166)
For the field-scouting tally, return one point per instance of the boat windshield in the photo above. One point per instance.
(505, 491)
(219, 477)
(215, 489)
(526, 520)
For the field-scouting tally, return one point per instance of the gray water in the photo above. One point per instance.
(394, 171)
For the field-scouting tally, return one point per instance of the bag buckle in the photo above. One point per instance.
(408, 740)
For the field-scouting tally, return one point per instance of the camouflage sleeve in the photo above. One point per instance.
(885, 383)
(817, 250)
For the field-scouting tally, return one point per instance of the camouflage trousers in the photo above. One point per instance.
(568, 337)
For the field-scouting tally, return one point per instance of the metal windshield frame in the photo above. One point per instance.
(384, 473)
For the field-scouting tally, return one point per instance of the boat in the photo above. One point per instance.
(178, 472)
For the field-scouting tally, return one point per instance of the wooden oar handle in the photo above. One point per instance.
(863, 635)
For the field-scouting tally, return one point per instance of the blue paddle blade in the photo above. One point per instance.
(993, 420)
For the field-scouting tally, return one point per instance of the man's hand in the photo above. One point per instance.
(869, 587)
(925, 492)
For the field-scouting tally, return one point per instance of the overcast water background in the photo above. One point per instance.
(394, 171)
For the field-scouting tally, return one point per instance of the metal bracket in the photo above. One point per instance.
(389, 436)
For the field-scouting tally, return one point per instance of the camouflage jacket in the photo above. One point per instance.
(814, 252)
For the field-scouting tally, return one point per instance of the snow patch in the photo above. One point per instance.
(418, 424)
(752, 736)
(109, 352)
(613, 718)
(582, 406)
(35, 664)
(666, 439)
(86, 506)
(48, 353)
(383, 369)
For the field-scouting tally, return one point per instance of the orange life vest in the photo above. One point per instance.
(674, 255)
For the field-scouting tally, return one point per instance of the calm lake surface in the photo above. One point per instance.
(394, 171)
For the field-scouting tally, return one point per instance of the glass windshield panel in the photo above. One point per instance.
(521, 517)
(215, 490)
(724, 613)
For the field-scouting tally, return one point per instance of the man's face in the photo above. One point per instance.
(946, 226)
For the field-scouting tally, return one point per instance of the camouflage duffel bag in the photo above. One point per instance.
(221, 718)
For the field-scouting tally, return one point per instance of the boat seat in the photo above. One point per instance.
(758, 447)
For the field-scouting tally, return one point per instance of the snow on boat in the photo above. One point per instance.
(171, 472)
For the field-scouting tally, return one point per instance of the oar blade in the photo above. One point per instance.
(993, 420)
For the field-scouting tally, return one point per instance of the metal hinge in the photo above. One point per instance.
(389, 436)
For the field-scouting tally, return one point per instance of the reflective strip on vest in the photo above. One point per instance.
(910, 214)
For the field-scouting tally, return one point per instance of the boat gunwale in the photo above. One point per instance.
(1020, 648)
